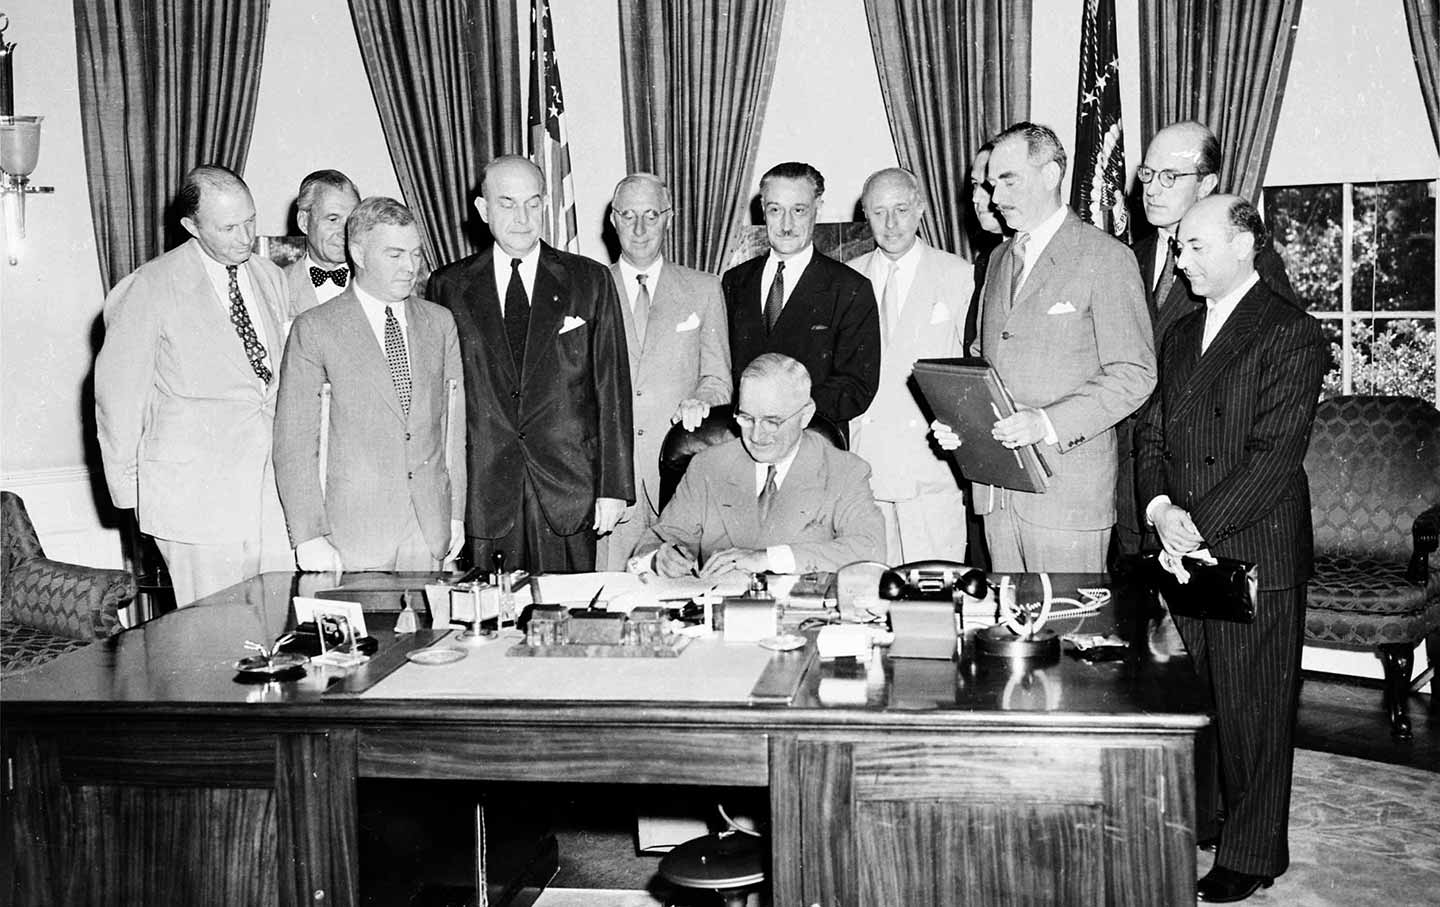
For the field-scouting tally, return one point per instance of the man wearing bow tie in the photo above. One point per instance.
(325, 201)
(547, 390)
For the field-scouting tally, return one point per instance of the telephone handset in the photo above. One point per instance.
(932, 580)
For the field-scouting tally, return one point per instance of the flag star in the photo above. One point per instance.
(554, 111)
(1102, 81)
(1088, 98)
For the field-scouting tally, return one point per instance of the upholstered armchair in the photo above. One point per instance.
(1374, 468)
(48, 608)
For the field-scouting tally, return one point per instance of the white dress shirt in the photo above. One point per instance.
(528, 264)
(795, 265)
(374, 310)
(327, 290)
(1040, 238)
(220, 280)
(632, 286)
(906, 267)
(1218, 310)
(782, 559)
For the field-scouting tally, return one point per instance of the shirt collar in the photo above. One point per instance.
(1045, 231)
(906, 264)
(782, 466)
(528, 263)
(215, 269)
(652, 273)
(310, 262)
(795, 264)
(1230, 300)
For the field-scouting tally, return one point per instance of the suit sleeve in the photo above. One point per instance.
(455, 421)
(682, 522)
(859, 528)
(1125, 347)
(715, 386)
(610, 366)
(1292, 370)
(125, 382)
(296, 447)
(855, 369)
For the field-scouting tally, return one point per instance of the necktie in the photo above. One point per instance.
(254, 349)
(517, 313)
(319, 275)
(1167, 273)
(397, 360)
(767, 494)
(1017, 264)
(889, 303)
(775, 299)
(642, 307)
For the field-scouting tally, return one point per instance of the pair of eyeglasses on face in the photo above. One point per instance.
(769, 423)
(1167, 178)
(649, 217)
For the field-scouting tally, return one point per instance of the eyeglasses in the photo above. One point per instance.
(1167, 178)
(649, 217)
(769, 423)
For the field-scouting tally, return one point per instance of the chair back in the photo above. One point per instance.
(717, 428)
(20, 543)
(1373, 466)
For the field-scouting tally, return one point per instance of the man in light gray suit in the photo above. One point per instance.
(325, 201)
(924, 296)
(392, 494)
(676, 335)
(1063, 321)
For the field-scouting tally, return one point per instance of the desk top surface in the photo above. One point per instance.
(183, 664)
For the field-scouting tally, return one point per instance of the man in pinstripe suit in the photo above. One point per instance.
(1221, 451)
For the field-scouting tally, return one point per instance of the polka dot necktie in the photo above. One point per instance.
(397, 360)
(240, 317)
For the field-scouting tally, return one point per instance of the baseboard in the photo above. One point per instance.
(62, 505)
(1352, 663)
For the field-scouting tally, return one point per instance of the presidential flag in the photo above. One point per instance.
(1097, 191)
(549, 145)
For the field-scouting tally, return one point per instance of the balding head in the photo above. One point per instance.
(1187, 155)
(1218, 239)
(893, 204)
(511, 202)
(215, 207)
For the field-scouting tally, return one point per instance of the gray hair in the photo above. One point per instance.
(509, 159)
(374, 211)
(641, 178)
(777, 365)
(1042, 145)
(905, 176)
(311, 185)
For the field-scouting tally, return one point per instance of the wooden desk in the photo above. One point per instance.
(141, 772)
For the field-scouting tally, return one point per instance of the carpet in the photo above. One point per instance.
(1362, 834)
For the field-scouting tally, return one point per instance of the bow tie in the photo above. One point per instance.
(320, 275)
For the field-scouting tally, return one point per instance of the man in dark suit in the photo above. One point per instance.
(798, 302)
(1182, 166)
(547, 385)
(1221, 467)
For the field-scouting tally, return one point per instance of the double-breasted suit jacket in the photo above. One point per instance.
(830, 325)
(1078, 344)
(184, 422)
(561, 418)
(382, 463)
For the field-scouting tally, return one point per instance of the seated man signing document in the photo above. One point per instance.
(779, 499)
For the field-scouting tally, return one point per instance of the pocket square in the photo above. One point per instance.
(819, 327)
(1061, 308)
(689, 324)
(571, 323)
(939, 313)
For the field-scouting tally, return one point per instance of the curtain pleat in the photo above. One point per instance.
(1423, 18)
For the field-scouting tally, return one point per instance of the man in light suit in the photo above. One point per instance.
(675, 334)
(392, 494)
(779, 498)
(185, 393)
(1222, 468)
(924, 295)
(547, 388)
(798, 302)
(325, 201)
(1063, 322)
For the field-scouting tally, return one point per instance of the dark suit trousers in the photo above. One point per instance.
(532, 545)
(1253, 671)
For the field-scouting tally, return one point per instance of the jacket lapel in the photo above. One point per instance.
(811, 283)
(1236, 336)
(203, 304)
(548, 306)
(803, 486)
(358, 339)
(632, 342)
(739, 509)
(423, 346)
(483, 300)
(1056, 253)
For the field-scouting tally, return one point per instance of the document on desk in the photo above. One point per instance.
(623, 591)
(968, 395)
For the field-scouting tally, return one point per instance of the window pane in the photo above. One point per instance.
(1393, 356)
(1394, 247)
(1307, 224)
(1334, 384)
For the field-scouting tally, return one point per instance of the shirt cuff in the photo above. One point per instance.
(642, 563)
(1150, 507)
(1051, 437)
(782, 559)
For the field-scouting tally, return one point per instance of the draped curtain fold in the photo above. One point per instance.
(165, 85)
(953, 73)
(1423, 17)
(695, 78)
(446, 79)
(1224, 63)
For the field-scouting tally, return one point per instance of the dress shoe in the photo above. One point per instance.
(1226, 886)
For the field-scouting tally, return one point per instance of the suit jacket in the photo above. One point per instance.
(685, 354)
(382, 464)
(184, 422)
(1078, 344)
(824, 509)
(893, 434)
(1226, 434)
(299, 289)
(563, 416)
(1179, 301)
(830, 325)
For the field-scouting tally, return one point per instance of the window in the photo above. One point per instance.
(1362, 258)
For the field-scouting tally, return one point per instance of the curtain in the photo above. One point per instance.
(446, 79)
(1225, 64)
(953, 73)
(1423, 17)
(165, 85)
(695, 78)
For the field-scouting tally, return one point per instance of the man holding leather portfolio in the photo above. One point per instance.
(1221, 452)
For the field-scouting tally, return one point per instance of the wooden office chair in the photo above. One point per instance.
(717, 428)
(1374, 469)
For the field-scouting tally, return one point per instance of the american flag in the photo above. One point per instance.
(1097, 192)
(549, 144)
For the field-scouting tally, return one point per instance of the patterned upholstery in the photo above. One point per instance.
(47, 607)
(1374, 470)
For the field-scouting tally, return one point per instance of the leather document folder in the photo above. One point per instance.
(968, 395)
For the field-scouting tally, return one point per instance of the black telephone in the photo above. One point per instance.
(932, 581)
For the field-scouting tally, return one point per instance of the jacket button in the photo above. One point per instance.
(521, 436)
(1165, 455)
(514, 395)
(1004, 335)
(409, 475)
(639, 393)
(640, 432)
(407, 436)
(1217, 412)
(1209, 461)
